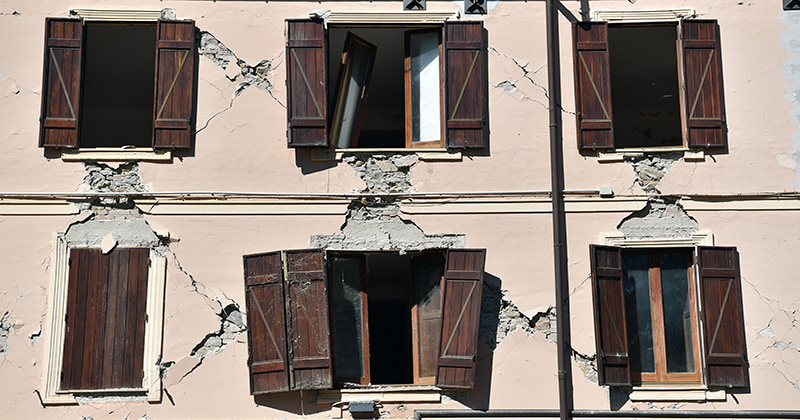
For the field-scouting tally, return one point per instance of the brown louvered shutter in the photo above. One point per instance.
(105, 320)
(723, 318)
(466, 85)
(613, 365)
(175, 84)
(592, 86)
(703, 94)
(266, 329)
(461, 310)
(61, 83)
(307, 320)
(305, 78)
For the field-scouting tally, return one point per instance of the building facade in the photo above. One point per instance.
(287, 209)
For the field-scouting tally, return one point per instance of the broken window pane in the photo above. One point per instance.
(347, 318)
(677, 312)
(358, 57)
(636, 283)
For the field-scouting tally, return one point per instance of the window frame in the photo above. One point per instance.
(56, 328)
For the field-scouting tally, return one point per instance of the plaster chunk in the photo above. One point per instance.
(231, 326)
(651, 168)
(127, 231)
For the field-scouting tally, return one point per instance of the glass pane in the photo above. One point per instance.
(354, 81)
(425, 87)
(347, 332)
(677, 311)
(428, 273)
(636, 284)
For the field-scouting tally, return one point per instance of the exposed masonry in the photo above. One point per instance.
(659, 219)
(5, 329)
(231, 325)
(650, 168)
(374, 223)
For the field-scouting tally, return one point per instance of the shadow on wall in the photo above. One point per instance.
(295, 402)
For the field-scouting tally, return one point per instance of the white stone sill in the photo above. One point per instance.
(322, 155)
(619, 155)
(116, 155)
(676, 394)
(384, 394)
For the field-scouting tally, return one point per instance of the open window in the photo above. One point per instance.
(656, 85)
(648, 323)
(121, 85)
(387, 86)
(377, 318)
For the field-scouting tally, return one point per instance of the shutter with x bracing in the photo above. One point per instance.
(461, 310)
(61, 83)
(703, 94)
(105, 319)
(266, 330)
(723, 318)
(466, 85)
(175, 85)
(305, 78)
(592, 86)
(613, 365)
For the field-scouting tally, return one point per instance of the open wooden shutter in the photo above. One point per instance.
(466, 85)
(175, 76)
(461, 310)
(703, 94)
(610, 331)
(723, 318)
(105, 320)
(61, 83)
(266, 330)
(592, 85)
(307, 320)
(305, 78)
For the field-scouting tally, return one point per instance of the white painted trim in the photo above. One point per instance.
(37, 207)
(701, 237)
(54, 342)
(322, 155)
(619, 155)
(120, 15)
(383, 18)
(116, 155)
(677, 395)
(655, 15)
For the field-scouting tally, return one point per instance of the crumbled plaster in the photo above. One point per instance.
(231, 326)
(374, 223)
(6, 328)
(650, 168)
(790, 40)
(660, 218)
(127, 229)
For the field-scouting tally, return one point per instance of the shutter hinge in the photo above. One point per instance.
(66, 316)
(62, 376)
(146, 318)
(189, 120)
(69, 262)
(723, 119)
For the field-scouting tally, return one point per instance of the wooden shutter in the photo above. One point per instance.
(266, 329)
(307, 320)
(306, 78)
(61, 83)
(466, 85)
(592, 86)
(613, 365)
(703, 94)
(461, 310)
(175, 77)
(723, 319)
(105, 320)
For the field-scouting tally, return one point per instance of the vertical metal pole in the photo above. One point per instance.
(565, 396)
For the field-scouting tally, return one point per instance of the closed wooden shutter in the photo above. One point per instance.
(723, 318)
(306, 78)
(61, 83)
(461, 310)
(175, 84)
(613, 365)
(466, 85)
(266, 329)
(592, 86)
(703, 93)
(105, 319)
(307, 320)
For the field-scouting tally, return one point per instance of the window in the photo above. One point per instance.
(105, 325)
(647, 316)
(118, 85)
(394, 319)
(387, 86)
(649, 85)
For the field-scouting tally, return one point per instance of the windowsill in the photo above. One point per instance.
(384, 394)
(619, 155)
(112, 391)
(116, 155)
(424, 154)
(663, 393)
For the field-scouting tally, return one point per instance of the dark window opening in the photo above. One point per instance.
(399, 71)
(386, 316)
(119, 80)
(645, 86)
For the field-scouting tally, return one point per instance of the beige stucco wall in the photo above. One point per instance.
(242, 148)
